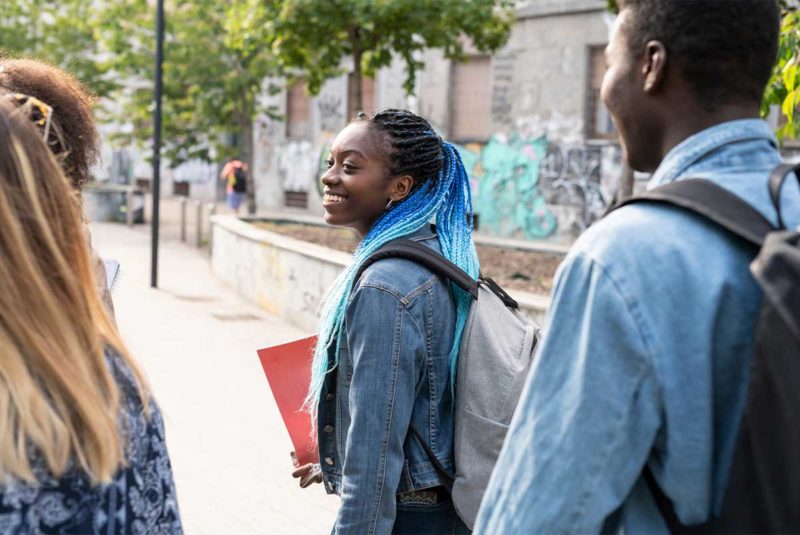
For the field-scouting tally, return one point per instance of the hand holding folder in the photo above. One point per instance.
(288, 370)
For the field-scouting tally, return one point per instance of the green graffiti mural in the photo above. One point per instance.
(505, 176)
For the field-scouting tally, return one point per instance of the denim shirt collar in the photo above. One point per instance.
(698, 146)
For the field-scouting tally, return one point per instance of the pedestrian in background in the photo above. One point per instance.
(82, 448)
(644, 364)
(71, 136)
(235, 174)
(387, 351)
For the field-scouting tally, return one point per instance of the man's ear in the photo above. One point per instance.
(401, 187)
(655, 66)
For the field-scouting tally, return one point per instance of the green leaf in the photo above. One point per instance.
(790, 104)
(789, 76)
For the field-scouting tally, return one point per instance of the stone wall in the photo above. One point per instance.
(289, 277)
(286, 277)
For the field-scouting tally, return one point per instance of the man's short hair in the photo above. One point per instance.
(77, 141)
(725, 49)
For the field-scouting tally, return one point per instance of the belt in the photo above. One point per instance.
(424, 496)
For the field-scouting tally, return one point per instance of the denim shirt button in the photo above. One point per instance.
(328, 461)
(329, 397)
(328, 429)
(331, 486)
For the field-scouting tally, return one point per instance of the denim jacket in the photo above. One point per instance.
(393, 372)
(645, 358)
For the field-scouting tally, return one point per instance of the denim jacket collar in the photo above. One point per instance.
(425, 232)
(700, 145)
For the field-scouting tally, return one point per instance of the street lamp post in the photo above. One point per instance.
(157, 142)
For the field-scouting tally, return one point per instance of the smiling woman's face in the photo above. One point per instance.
(357, 187)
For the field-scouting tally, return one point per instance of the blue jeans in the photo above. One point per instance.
(425, 519)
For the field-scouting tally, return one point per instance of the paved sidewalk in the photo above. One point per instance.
(196, 340)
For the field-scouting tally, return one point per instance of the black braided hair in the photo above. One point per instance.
(412, 146)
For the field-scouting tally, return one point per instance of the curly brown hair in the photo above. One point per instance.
(73, 135)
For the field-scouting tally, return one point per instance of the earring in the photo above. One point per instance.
(389, 204)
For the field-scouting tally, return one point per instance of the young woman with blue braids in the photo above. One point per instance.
(388, 343)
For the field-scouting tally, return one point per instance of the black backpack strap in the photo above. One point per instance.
(421, 254)
(776, 181)
(667, 509)
(712, 202)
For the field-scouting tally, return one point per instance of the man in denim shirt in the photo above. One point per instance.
(650, 332)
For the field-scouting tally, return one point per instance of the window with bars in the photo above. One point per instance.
(367, 96)
(298, 111)
(600, 125)
(470, 105)
(295, 199)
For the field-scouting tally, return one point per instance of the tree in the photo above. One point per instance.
(215, 71)
(784, 86)
(60, 33)
(312, 37)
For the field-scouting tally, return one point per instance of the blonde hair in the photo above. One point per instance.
(58, 397)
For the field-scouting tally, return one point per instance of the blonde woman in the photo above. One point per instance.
(81, 443)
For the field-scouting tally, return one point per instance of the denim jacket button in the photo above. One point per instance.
(329, 397)
(328, 461)
(331, 486)
(328, 429)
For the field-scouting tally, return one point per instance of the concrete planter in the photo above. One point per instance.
(289, 277)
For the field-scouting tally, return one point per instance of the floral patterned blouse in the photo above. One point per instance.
(140, 500)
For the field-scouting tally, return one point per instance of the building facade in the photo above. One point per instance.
(539, 145)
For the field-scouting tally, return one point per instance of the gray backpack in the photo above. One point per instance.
(496, 353)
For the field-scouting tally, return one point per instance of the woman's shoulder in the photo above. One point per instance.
(400, 276)
(141, 496)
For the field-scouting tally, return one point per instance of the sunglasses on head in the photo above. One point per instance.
(39, 112)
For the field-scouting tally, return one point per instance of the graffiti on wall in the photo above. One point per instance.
(266, 127)
(572, 172)
(532, 188)
(297, 165)
(331, 112)
(508, 199)
(502, 89)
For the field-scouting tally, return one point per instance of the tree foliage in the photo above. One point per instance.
(784, 86)
(783, 89)
(62, 33)
(313, 37)
(215, 70)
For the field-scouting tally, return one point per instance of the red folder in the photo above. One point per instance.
(288, 370)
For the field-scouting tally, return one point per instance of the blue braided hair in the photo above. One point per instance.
(441, 190)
